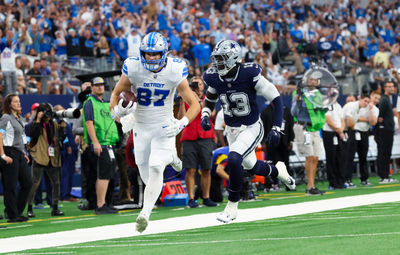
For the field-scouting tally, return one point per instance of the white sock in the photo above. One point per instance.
(152, 190)
(232, 205)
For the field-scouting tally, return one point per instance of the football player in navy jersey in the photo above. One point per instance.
(237, 86)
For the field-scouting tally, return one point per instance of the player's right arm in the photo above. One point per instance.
(208, 107)
(123, 84)
(209, 102)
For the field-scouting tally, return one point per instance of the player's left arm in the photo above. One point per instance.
(188, 96)
(270, 92)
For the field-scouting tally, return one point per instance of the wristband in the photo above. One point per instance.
(185, 121)
(3, 156)
(276, 128)
(206, 112)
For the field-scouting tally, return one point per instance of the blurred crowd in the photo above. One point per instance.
(43, 42)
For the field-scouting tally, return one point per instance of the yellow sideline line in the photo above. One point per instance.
(62, 218)
(387, 185)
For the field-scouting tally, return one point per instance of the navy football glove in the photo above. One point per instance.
(205, 123)
(273, 137)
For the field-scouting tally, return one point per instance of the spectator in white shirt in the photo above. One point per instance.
(367, 118)
(332, 136)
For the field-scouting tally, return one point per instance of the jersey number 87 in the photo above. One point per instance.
(144, 96)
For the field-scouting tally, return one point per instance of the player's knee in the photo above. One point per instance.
(158, 168)
(234, 161)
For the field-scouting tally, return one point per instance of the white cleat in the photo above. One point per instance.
(141, 223)
(284, 176)
(229, 214)
(177, 163)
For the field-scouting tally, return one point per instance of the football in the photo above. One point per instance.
(126, 96)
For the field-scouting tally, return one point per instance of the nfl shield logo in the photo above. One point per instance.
(229, 85)
(155, 76)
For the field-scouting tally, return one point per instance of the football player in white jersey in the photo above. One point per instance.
(154, 78)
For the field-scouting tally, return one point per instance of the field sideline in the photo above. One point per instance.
(196, 221)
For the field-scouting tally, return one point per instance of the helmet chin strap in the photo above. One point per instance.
(232, 73)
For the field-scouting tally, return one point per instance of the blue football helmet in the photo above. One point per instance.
(154, 42)
(225, 56)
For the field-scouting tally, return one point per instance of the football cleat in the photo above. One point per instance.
(229, 214)
(141, 223)
(284, 176)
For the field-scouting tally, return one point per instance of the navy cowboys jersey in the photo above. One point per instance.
(237, 96)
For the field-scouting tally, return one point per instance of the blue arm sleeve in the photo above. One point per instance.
(278, 111)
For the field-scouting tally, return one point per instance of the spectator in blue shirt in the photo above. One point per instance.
(296, 32)
(61, 44)
(44, 69)
(373, 47)
(163, 21)
(202, 52)
(36, 37)
(259, 24)
(175, 40)
(46, 39)
(136, 7)
(119, 45)
(204, 21)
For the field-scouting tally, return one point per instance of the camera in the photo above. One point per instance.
(71, 113)
(194, 85)
(46, 109)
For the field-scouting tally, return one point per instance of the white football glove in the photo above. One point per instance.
(176, 127)
(120, 111)
(127, 122)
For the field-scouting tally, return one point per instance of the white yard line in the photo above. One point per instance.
(38, 241)
(207, 242)
(21, 226)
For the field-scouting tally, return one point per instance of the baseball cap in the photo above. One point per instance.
(240, 37)
(71, 30)
(34, 106)
(98, 81)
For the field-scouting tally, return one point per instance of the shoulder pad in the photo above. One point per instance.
(210, 73)
(252, 70)
(179, 66)
(127, 63)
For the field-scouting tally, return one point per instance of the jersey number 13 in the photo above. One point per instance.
(242, 104)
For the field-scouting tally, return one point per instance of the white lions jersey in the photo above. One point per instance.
(155, 91)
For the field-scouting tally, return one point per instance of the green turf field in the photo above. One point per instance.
(372, 229)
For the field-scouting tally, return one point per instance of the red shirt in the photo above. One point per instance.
(129, 153)
(193, 131)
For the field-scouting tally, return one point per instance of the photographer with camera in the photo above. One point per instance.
(317, 91)
(46, 140)
(197, 148)
(69, 154)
